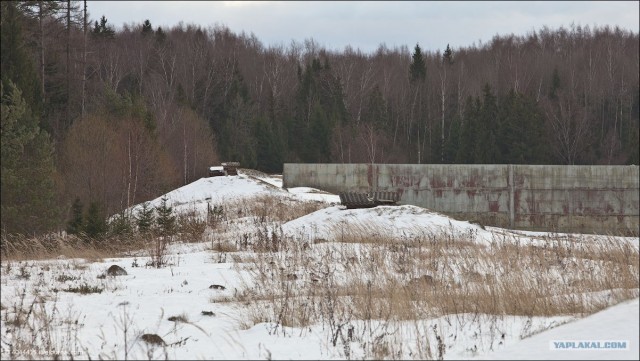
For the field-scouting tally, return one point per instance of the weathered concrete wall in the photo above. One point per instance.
(589, 199)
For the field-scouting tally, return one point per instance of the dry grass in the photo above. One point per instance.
(84, 289)
(271, 208)
(31, 323)
(179, 318)
(18, 248)
(191, 227)
(390, 279)
(223, 247)
(360, 288)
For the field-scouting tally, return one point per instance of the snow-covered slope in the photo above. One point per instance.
(408, 222)
(218, 190)
(617, 323)
(396, 221)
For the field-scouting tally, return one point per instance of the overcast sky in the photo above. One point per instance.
(366, 24)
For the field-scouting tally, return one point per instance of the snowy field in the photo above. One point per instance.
(290, 274)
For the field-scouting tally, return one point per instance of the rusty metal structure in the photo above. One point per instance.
(231, 168)
(367, 200)
(584, 199)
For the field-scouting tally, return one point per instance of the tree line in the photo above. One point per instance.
(114, 118)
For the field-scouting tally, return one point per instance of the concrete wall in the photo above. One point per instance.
(589, 199)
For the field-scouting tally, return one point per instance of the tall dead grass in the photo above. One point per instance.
(263, 214)
(17, 248)
(35, 330)
(366, 274)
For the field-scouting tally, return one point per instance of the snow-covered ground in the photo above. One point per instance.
(617, 323)
(198, 321)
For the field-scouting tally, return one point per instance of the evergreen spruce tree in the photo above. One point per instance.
(160, 35)
(103, 30)
(418, 68)
(96, 225)
(467, 137)
(486, 147)
(147, 28)
(319, 107)
(452, 142)
(16, 64)
(120, 225)
(376, 111)
(447, 57)
(235, 120)
(76, 224)
(166, 220)
(145, 219)
(318, 149)
(522, 135)
(28, 199)
(270, 152)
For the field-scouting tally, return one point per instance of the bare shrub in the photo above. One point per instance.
(191, 227)
(158, 251)
(223, 246)
(84, 289)
(179, 318)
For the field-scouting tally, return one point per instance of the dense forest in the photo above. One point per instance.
(110, 118)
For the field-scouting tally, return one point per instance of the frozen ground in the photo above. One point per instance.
(196, 321)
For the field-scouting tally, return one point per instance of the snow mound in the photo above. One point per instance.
(213, 190)
(218, 190)
(398, 222)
